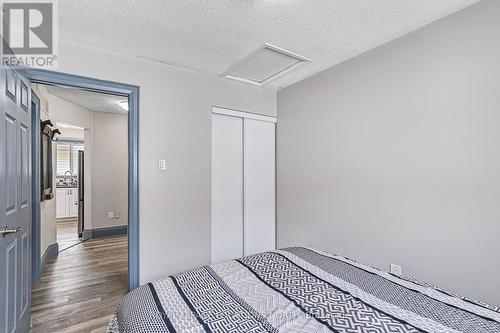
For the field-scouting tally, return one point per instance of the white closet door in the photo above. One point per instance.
(259, 186)
(227, 188)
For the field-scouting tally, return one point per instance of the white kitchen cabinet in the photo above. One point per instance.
(73, 203)
(61, 205)
(66, 203)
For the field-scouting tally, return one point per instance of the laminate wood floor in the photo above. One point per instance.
(67, 234)
(81, 287)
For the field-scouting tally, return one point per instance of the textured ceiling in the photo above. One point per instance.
(211, 35)
(91, 100)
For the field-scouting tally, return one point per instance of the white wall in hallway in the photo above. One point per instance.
(68, 113)
(70, 133)
(48, 234)
(59, 110)
(109, 169)
(109, 132)
(47, 207)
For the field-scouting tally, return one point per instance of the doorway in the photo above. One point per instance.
(131, 93)
(96, 244)
(69, 184)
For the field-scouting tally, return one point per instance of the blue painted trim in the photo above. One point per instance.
(51, 251)
(105, 232)
(133, 189)
(51, 77)
(77, 81)
(35, 191)
(87, 234)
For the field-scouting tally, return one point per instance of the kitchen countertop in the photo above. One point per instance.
(66, 186)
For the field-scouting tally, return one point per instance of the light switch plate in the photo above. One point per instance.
(117, 215)
(110, 215)
(162, 165)
(395, 269)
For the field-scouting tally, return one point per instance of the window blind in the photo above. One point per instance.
(63, 157)
(67, 157)
(76, 148)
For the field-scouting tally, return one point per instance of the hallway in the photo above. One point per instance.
(67, 234)
(80, 288)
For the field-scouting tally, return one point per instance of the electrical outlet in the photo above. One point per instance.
(111, 215)
(117, 215)
(162, 165)
(395, 269)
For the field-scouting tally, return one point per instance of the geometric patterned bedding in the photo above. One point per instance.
(297, 290)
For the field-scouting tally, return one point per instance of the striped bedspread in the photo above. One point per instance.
(297, 290)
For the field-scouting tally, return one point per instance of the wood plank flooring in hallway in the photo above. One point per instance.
(67, 234)
(80, 288)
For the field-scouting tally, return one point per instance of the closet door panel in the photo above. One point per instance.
(259, 186)
(227, 188)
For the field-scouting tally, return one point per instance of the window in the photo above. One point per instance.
(67, 157)
(63, 158)
(76, 147)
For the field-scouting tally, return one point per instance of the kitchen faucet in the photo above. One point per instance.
(70, 175)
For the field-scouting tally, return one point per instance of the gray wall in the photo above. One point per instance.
(175, 124)
(109, 169)
(48, 234)
(393, 157)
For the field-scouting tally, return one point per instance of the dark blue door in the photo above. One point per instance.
(15, 202)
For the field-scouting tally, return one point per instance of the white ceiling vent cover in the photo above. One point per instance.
(266, 64)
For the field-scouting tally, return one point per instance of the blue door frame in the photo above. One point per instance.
(91, 84)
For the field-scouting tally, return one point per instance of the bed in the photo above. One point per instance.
(297, 290)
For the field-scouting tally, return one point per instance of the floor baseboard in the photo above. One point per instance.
(51, 251)
(105, 232)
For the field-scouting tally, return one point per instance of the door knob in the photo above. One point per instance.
(6, 230)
